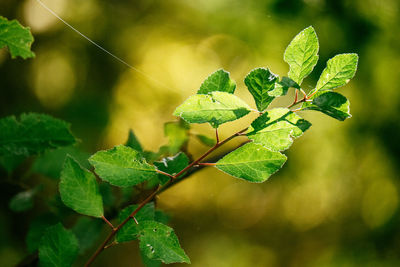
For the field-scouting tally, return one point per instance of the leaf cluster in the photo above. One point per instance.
(87, 185)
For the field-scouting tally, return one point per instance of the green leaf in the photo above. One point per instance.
(275, 129)
(177, 133)
(23, 201)
(122, 166)
(79, 189)
(149, 262)
(260, 82)
(133, 142)
(216, 109)
(88, 231)
(338, 72)
(33, 134)
(331, 103)
(171, 165)
(302, 54)
(280, 89)
(287, 82)
(36, 230)
(58, 247)
(251, 162)
(206, 140)
(51, 162)
(17, 38)
(159, 242)
(130, 230)
(218, 81)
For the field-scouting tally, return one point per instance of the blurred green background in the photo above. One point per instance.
(335, 202)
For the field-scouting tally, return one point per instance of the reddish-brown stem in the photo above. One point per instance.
(304, 93)
(108, 222)
(152, 195)
(110, 245)
(164, 173)
(216, 135)
(206, 164)
(298, 101)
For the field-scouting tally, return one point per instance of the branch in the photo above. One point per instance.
(156, 192)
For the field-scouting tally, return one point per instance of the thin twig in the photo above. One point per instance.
(216, 135)
(164, 173)
(156, 192)
(108, 222)
(206, 164)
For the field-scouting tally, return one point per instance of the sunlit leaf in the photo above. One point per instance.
(338, 72)
(122, 166)
(252, 162)
(218, 81)
(275, 129)
(216, 108)
(331, 103)
(260, 82)
(302, 54)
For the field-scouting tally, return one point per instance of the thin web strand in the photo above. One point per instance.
(99, 46)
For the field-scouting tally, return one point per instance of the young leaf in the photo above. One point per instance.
(36, 230)
(302, 54)
(177, 133)
(331, 103)
(87, 231)
(275, 129)
(122, 166)
(17, 38)
(216, 109)
(23, 201)
(159, 242)
(206, 140)
(130, 230)
(133, 142)
(252, 162)
(79, 189)
(218, 81)
(171, 165)
(33, 134)
(338, 72)
(58, 247)
(260, 83)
